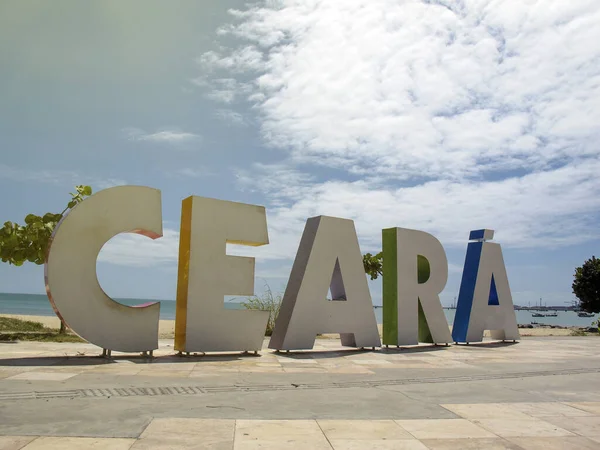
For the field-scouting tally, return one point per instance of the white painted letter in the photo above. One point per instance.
(403, 293)
(207, 274)
(70, 271)
(484, 299)
(328, 258)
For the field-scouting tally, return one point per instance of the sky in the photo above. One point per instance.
(441, 116)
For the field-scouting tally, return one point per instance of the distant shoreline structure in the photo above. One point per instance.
(534, 308)
(524, 308)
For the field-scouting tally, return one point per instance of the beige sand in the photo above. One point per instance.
(166, 328)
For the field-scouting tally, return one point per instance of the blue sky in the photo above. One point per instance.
(438, 116)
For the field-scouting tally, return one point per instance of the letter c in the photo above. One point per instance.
(70, 271)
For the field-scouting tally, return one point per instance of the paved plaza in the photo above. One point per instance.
(540, 393)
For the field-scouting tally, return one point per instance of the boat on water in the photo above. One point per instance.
(584, 314)
(537, 315)
(553, 314)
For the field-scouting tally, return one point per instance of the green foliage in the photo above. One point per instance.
(579, 333)
(373, 265)
(586, 285)
(13, 329)
(29, 242)
(13, 324)
(40, 337)
(268, 302)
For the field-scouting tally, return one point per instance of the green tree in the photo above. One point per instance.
(373, 265)
(29, 242)
(586, 285)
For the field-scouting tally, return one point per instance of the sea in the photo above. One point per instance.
(39, 305)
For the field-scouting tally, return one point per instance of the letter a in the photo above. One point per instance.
(484, 299)
(415, 271)
(328, 258)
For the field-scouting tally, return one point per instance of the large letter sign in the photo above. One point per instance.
(415, 271)
(207, 274)
(411, 303)
(328, 258)
(484, 299)
(70, 270)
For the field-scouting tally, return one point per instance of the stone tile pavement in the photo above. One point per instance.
(34, 361)
(536, 394)
(544, 425)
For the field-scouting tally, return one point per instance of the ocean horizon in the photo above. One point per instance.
(39, 305)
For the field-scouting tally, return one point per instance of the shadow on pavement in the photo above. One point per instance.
(82, 360)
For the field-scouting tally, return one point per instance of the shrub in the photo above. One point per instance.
(266, 302)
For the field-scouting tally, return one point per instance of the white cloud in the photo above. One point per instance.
(222, 95)
(540, 209)
(445, 116)
(164, 136)
(61, 177)
(41, 176)
(410, 87)
(279, 181)
(191, 173)
(107, 183)
(223, 90)
(243, 59)
(130, 249)
(231, 117)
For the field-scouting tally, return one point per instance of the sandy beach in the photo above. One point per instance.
(166, 328)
